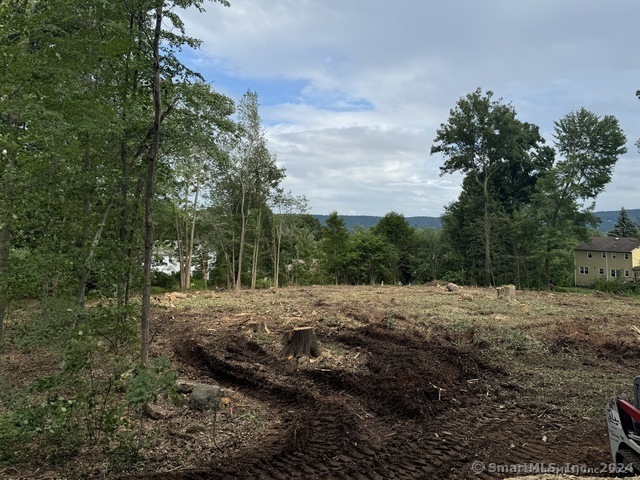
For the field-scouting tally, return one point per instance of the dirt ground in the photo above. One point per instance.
(411, 382)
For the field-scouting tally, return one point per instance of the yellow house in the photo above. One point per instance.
(608, 258)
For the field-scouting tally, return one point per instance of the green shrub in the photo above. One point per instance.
(164, 281)
(83, 404)
(49, 329)
(617, 286)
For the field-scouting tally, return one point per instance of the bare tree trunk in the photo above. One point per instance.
(180, 248)
(276, 273)
(487, 233)
(86, 269)
(256, 251)
(152, 158)
(192, 235)
(243, 228)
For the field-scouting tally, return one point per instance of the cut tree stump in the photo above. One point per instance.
(507, 292)
(299, 342)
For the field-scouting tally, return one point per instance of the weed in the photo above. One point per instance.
(517, 340)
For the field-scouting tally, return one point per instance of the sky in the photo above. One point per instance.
(352, 92)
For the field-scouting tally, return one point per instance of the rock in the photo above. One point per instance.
(452, 287)
(205, 397)
(155, 412)
(185, 386)
(195, 429)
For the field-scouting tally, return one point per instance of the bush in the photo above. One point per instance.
(164, 280)
(617, 287)
(84, 403)
(50, 329)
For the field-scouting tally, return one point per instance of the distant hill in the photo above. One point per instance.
(609, 218)
(367, 221)
(351, 221)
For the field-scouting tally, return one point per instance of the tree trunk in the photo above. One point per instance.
(300, 342)
(243, 228)
(152, 158)
(487, 232)
(86, 269)
(192, 235)
(256, 251)
(276, 269)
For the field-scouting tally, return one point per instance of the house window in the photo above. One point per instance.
(614, 273)
(613, 255)
(604, 254)
(626, 256)
(601, 271)
(589, 255)
(626, 273)
(584, 270)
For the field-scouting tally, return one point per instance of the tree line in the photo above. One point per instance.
(113, 154)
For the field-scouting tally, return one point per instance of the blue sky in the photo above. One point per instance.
(352, 91)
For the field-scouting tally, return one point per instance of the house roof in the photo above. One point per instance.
(610, 244)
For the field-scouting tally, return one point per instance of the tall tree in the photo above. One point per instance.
(287, 206)
(589, 147)
(395, 228)
(334, 245)
(480, 138)
(624, 227)
(250, 184)
(371, 257)
(160, 46)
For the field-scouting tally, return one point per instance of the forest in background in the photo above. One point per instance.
(116, 158)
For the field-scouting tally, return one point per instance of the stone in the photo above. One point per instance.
(185, 386)
(452, 287)
(155, 412)
(205, 397)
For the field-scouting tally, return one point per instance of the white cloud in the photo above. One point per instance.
(352, 91)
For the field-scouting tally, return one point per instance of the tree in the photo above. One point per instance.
(287, 206)
(624, 227)
(334, 245)
(565, 196)
(370, 257)
(395, 228)
(193, 131)
(243, 193)
(484, 139)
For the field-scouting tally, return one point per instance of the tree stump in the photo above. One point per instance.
(299, 342)
(507, 292)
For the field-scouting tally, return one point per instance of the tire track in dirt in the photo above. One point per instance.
(410, 413)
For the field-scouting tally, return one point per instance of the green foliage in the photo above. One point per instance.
(521, 212)
(164, 281)
(49, 330)
(617, 286)
(48, 427)
(371, 258)
(334, 246)
(518, 341)
(395, 228)
(501, 158)
(624, 227)
(84, 403)
(149, 381)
